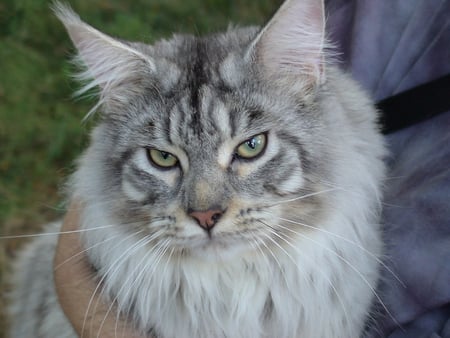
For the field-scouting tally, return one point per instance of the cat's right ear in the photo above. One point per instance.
(111, 65)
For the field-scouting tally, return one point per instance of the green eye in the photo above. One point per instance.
(252, 147)
(162, 159)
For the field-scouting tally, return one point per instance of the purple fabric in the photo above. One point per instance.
(417, 231)
(390, 46)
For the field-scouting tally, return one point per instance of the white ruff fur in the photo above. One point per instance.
(182, 297)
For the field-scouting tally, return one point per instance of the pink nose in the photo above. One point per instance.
(206, 219)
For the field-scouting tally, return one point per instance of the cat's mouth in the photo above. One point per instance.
(208, 240)
(219, 244)
(233, 233)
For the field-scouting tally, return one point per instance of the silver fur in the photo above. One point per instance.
(295, 253)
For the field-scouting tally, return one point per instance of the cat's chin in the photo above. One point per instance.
(216, 249)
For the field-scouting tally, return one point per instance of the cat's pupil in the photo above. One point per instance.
(251, 143)
(164, 155)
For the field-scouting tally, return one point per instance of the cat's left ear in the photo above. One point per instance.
(293, 42)
(110, 64)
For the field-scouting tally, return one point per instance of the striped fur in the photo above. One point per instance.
(295, 253)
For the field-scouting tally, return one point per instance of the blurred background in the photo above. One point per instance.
(41, 132)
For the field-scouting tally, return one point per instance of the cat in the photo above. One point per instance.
(235, 180)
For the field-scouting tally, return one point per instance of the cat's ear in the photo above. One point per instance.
(293, 42)
(110, 64)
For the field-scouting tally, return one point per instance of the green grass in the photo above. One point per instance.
(40, 124)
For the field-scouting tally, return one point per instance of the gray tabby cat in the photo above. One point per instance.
(232, 187)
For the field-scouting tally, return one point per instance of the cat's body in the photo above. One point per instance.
(242, 176)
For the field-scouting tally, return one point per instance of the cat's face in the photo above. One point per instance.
(206, 142)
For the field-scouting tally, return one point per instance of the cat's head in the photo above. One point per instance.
(210, 143)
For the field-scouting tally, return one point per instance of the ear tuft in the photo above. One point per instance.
(111, 65)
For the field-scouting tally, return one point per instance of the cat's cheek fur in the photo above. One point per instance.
(132, 192)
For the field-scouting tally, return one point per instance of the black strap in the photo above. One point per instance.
(415, 105)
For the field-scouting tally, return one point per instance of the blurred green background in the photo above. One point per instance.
(40, 123)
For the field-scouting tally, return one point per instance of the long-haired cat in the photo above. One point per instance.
(231, 188)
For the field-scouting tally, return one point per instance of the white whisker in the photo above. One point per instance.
(374, 292)
(100, 282)
(57, 233)
(127, 283)
(304, 196)
(114, 268)
(160, 287)
(286, 240)
(359, 246)
(84, 251)
(260, 242)
(159, 250)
